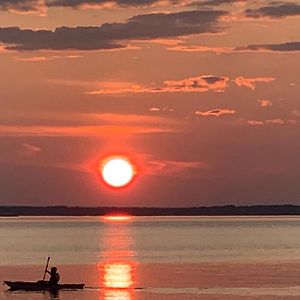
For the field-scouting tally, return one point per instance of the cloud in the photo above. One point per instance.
(87, 124)
(78, 131)
(202, 83)
(45, 58)
(277, 121)
(255, 122)
(161, 109)
(34, 59)
(216, 2)
(284, 47)
(172, 168)
(276, 11)
(296, 113)
(38, 6)
(198, 48)
(292, 121)
(30, 150)
(265, 102)
(110, 3)
(199, 83)
(251, 82)
(24, 6)
(216, 112)
(88, 119)
(112, 35)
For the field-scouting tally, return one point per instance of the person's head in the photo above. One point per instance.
(53, 270)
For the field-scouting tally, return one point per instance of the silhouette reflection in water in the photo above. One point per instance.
(118, 268)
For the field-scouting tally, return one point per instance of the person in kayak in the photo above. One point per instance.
(54, 276)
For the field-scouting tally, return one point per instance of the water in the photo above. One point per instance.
(170, 257)
(28, 241)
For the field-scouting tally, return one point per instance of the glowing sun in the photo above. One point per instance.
(117, 172)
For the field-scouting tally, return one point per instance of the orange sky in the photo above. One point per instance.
(202, 95)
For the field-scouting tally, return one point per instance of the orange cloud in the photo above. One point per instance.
(172, 168)
(25, 7)
(251, 82)
(264, 102)
(88, 124)
(78, 131)
(161, 109)
(215, 112)
(255, 122)
(44, 58)
(190, 48)
(202, 83)
(275, 121)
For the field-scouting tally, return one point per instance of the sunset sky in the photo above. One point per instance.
(202, 96)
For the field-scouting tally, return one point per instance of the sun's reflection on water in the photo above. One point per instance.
(118, 267)
(118, 275)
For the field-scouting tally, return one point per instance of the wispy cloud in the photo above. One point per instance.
(265, 102)
(30, 150)
(172, 168)
(109, 4)
(277, 121)
(84, 124)
(202, 83)
(255, 122)
(199, 48)
(161, 109)
(252, 82)
(45, 58)
(201, 3)
(216, 112)
(283, 47)
(79, 131)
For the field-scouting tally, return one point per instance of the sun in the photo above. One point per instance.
(117, 172)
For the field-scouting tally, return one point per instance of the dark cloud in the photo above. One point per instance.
(120, 3)
(33, 5)
(278, 11)
(107, 36)
(23, 6)
(284, 47)
(216, 2)
(210, 79)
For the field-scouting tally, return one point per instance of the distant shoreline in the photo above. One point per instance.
(227, 210)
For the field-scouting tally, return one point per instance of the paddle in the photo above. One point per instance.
(46, 268)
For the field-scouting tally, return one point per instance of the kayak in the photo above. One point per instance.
(41, 286)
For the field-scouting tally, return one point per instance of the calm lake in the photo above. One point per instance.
(168, 257)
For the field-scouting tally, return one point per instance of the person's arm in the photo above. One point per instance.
(48, 272)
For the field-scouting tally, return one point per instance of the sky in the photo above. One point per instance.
(202, 96)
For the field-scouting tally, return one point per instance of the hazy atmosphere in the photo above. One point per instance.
(202, 97)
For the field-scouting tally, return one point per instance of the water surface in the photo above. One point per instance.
(169, 257)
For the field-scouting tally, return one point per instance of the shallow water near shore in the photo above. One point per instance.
(156, 257)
